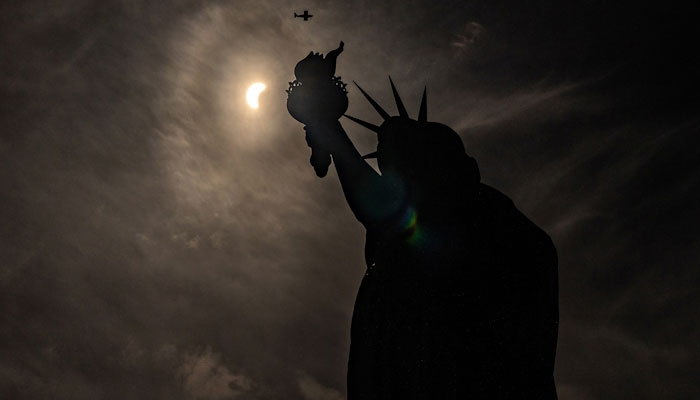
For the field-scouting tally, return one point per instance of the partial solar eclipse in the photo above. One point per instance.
(253, 93)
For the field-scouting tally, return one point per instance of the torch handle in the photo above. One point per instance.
(320, 157)
(321, 160)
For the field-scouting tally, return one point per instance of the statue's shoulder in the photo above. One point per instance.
(501, 213)
(491, 195)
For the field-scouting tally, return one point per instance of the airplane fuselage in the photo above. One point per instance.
(305, 15)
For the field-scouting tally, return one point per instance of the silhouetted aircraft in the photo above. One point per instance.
(305, 15)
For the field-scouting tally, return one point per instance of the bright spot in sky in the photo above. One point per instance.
(252, 94)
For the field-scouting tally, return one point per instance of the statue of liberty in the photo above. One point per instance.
(459, 299)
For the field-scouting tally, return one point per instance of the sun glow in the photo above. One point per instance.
(253, 93)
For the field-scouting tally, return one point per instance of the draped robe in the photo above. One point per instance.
(459, 301)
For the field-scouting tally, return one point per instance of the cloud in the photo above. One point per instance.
(205, 377)
(311, 389)
(489, 111)
(468, 36)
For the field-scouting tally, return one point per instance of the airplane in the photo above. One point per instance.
(305, 15)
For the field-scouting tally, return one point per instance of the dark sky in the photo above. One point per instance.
(161, 240)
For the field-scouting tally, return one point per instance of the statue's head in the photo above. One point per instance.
(424, 153)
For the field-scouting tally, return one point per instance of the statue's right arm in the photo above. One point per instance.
(365, 190)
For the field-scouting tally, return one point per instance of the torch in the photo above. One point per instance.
(317, 98)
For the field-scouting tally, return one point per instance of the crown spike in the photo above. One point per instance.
(397, 98)
(374, 104)
(423, 113)
(371, 127)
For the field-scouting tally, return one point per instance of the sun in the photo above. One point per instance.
(253, 93)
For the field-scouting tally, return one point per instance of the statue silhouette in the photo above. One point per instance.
(459, 300)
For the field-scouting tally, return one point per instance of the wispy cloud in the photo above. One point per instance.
(205, 377)
(311, 389)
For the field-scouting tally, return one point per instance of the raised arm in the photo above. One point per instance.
(368, 194)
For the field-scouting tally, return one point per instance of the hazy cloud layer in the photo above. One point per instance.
(160, 240)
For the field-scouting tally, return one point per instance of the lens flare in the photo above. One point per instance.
(415, 234)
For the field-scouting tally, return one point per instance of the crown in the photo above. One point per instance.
(422, 113)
